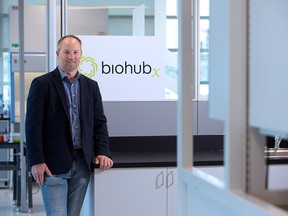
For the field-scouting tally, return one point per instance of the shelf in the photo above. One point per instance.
(4, 119)
(10, 165)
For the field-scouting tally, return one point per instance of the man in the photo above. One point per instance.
(66, 131)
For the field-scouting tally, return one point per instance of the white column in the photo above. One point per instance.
(63, 18)
(51, 35)
(139, 21)
(160, 18)
(228, 84)
(185, 106)
(196, 48)
(235, 143)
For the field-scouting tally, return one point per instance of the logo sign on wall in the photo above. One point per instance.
(125, 67)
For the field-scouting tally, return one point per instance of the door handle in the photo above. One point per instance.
(169, 179)
(160, 180)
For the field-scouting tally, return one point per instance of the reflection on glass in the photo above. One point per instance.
(5, 84)
(204, 52)
(172, 42)
(278, 140)
(117, 20)
(204, 67)
(204, 8)
(172, 33)
(171, 7)
(29, 76)
(204, 34)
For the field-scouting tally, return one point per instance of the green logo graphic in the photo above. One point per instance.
(88, 66)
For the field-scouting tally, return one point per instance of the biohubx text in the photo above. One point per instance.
(127, 68)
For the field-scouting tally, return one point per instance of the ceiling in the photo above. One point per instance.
(115, 6)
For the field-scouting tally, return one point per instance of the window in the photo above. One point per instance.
(172, 43)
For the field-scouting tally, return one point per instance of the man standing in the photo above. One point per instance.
(66, 131)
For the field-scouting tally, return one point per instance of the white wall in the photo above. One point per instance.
(268, 66)
(155, 118)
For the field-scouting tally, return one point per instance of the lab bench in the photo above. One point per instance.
(13, 165)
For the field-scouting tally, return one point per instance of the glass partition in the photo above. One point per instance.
(138, 18)
(117, 18)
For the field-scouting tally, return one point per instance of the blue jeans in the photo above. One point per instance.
(63, 194)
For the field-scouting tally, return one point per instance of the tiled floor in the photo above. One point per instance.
(8, 209)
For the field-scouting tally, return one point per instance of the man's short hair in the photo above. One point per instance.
(67, 36)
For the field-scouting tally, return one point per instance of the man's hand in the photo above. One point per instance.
(104, 162)
(38, 172)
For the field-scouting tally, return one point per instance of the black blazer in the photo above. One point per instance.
(48, 131)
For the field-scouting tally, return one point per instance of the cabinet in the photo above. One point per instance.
(135, 191)
(172, 192)
(14, 165)
(215, 171)
(277, 177)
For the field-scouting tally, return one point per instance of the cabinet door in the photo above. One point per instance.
(172, 191)
(215, 171)
(130, 192)
(277, 177)
(88, 204)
